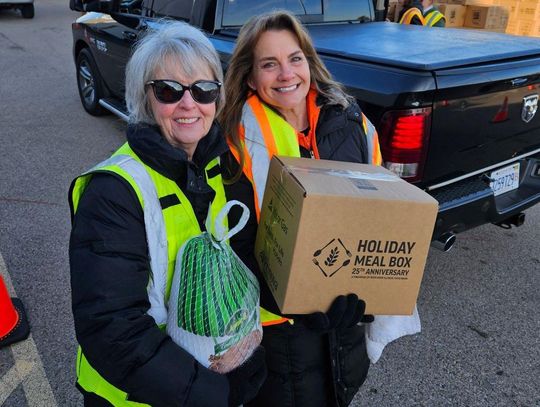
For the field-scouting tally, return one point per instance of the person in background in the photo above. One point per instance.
(410, 13)
(132, 213)
(281, 100)
(432, 16)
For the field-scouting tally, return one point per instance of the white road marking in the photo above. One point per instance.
(28, 368)
(13, 378)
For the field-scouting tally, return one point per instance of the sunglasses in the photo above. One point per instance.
(168, 91)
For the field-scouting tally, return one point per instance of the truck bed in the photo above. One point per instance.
(441, 49)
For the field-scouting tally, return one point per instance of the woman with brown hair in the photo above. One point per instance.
(281, 100)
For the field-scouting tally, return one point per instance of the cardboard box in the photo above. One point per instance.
(484, 3)
(528, 10)
(329, 228)
(454, 14)
(528, 28)
(492, 17)
(512, 27)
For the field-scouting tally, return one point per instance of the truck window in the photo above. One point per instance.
(168, 8)
(237, 12)
(348, 10)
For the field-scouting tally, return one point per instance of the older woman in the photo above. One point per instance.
(280, 99)
(131, 213)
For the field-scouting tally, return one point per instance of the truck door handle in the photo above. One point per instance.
(129, 35)
(518, 81)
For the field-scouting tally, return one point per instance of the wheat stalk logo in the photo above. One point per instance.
(332, 257)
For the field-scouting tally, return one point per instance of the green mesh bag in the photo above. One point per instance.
(214, 302)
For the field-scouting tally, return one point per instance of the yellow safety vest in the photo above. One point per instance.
(433, 17)
(166, 228)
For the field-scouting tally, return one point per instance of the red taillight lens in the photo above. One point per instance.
(408, 133)
(403, 136)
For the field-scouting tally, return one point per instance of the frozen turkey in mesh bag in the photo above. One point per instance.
(213, 309)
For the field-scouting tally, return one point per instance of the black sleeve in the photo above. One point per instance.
(243, 243)
(109, 275)
(340, 134)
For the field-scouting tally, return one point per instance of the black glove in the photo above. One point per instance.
(345, 312)
(246, 380)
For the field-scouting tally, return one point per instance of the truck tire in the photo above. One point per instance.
(27, 11)
(90, 84)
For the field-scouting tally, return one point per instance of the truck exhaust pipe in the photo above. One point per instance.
(517, 220)
(445, 242)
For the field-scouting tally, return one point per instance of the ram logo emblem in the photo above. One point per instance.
(530, 106)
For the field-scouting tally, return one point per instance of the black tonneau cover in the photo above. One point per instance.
(442, 48)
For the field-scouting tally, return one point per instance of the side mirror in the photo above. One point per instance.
(100, 6)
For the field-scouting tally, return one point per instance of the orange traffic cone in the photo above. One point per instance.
(13, 323)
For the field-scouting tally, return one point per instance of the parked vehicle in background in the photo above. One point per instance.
(458, 118)
(26, 6)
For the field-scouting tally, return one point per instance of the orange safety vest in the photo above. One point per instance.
(264, 133)
(407, 17)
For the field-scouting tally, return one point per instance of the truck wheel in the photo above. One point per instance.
(27, 11)
(89, 84)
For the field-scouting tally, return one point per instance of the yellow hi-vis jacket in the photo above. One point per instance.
(432, 17)
(166, 231)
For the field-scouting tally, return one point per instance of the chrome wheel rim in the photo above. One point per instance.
(87, 84)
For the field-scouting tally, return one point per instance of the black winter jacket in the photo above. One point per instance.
(306, 368)
(109, 275)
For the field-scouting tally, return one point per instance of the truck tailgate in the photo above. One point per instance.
(479, 125)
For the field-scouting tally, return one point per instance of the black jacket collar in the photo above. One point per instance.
(152, 148)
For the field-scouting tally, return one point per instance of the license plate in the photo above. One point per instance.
(504, 180)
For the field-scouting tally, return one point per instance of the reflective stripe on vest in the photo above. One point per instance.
(372, 138)
(408, 16)
(268, 318)
(166, 230)
(433, 17)
(264, 134)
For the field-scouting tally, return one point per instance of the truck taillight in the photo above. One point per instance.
(403, 136)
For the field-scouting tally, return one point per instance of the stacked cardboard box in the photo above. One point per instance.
(492, 18)
(454, 14)
(513, 16)
(520, 17)
(528, 18)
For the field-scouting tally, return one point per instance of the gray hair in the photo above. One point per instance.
(169, 39)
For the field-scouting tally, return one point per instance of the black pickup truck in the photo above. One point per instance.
(455, 108)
